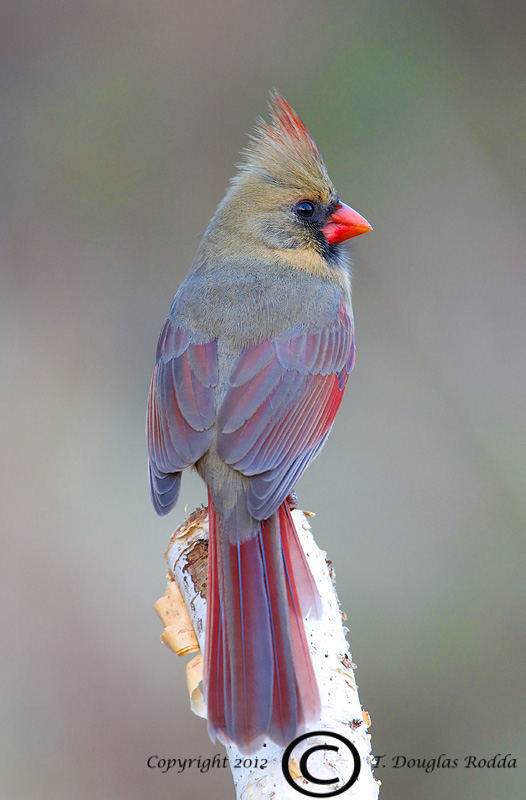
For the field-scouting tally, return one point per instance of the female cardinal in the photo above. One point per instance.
(251, 367)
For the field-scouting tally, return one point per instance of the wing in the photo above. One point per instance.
(181, 410)
(280, 405)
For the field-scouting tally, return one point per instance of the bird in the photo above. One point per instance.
(251, 367)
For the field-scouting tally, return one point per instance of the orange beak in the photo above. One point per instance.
(344, 223)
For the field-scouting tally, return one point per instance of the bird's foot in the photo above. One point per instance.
(292, 500)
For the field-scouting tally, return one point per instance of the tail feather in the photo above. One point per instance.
(297, 566)
(214, 653)
(259, 679)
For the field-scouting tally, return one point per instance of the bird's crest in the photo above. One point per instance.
(283, 151)
(287, 129)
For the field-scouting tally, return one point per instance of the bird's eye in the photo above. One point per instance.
(305, 209)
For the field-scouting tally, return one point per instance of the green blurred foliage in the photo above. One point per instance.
(121, 125)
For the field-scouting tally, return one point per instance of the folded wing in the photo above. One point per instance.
(181, 411)
(280, 405)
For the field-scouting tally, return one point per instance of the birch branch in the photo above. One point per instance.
(260, 776)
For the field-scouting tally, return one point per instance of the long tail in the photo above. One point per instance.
(258, 677)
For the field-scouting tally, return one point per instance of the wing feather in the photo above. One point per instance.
(181, 410)
(280, 405)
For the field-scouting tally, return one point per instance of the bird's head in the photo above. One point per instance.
(282, 198)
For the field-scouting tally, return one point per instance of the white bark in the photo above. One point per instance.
(260, 775)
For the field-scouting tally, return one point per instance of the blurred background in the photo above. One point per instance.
(121, 125)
